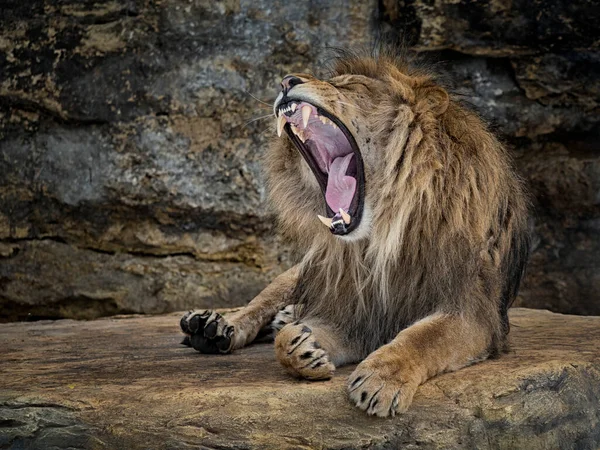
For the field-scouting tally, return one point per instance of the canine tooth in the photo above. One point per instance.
(306, 110)
(280, 124)
(294, 107)
(326, 221)
(345, 216)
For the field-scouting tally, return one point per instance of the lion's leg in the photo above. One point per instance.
(385, 382)
(311, 350)
(210, 332)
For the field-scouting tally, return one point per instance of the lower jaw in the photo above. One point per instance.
(340, 226)
(361, 231)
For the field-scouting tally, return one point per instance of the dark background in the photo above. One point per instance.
(130, 161)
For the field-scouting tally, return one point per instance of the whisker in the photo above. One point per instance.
(270, 128)
(258, 100)
(260, 110)
(258, 118)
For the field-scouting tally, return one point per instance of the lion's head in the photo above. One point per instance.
(351, 131)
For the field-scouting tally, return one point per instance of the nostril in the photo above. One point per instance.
(289, 82)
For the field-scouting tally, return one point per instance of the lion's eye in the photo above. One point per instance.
(350, 84)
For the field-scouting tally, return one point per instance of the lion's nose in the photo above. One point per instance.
(289, 82)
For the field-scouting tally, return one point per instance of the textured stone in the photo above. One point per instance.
(519, 105)
(131, 129)
(564, 270)
(127, 383)
(131, 135)
(49, 279)
(500, 27)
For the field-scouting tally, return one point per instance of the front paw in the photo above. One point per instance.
(208, 331)
(301, 354)
(381, 387)
(283, 317)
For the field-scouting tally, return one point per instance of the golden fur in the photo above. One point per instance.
(423, 285)
(448, 217)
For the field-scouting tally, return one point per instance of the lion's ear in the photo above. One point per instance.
(436, 99)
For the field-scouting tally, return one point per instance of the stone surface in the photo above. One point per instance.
(87, 283)
(130, 141)
(127, 383)
(131, 137)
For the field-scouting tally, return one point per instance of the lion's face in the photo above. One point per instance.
(333, 125)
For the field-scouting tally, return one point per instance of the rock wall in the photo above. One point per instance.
(131, 134)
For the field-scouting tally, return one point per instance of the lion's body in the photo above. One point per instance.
(423, 284)
(448, 221)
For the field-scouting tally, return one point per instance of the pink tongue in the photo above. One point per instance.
(340, 187)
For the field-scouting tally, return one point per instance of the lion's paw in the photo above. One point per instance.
(300, 353)
(379, 389)
(208, 331)
(283, 317)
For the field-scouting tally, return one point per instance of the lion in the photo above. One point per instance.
(413, 228)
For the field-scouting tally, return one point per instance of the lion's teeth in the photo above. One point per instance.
(294, 107)
(327, 121)
(345, 216)
(280, 124)
(306, 110)
(326, 221)
(298, 133)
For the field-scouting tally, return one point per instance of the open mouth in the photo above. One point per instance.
(334, 158)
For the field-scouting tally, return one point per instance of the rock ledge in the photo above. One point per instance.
(126, 382)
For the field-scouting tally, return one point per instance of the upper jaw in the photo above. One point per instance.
(331, 152)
